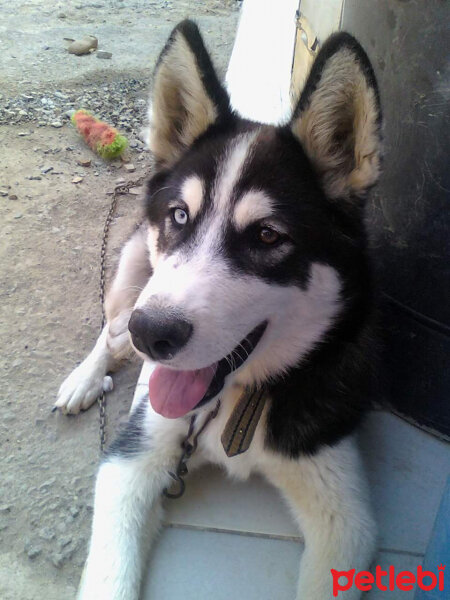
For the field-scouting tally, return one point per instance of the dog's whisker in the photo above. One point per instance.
(167, 187)
(240, 345)
(235, 352)
(229, 363)
(238, 356)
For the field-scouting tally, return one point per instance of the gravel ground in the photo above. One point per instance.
(52, 211)
(122, 102)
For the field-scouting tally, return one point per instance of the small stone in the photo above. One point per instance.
(120, 181)
(35, 178)
(143, 134)
(45, 170)
(77, 180)
(84, 162)
(46, 533)
(12, 197)
(47, 484)
(129, 167)
(61, 95)
(5, 509)
(86, 45)
(24, 133)
(34, 552)
(105, 55)
(68, 552)
(3, 192)
(18, 216)
(135, 191)
(32, 549)
(64, 541)
(57, 560)
(56, 124)
(62, 527)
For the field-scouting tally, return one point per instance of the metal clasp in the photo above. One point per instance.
(188, 447)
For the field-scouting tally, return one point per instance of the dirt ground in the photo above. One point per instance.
(49, 258)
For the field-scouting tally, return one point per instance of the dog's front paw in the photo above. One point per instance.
(82, 387)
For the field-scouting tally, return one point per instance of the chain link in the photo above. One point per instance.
(189, 446)
(119, 190)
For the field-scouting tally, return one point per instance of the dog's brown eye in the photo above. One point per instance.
(268, 236)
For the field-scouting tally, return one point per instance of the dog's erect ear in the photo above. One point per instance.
(187, 95)
(338, 118)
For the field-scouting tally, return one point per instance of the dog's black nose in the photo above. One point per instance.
(158, 333)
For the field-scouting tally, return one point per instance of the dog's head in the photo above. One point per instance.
(256, 233)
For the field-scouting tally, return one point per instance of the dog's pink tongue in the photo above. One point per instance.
(175, 393)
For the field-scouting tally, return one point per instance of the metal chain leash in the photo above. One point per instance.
(189, 447)
(119, 190)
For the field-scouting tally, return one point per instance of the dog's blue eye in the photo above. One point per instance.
(180, 216)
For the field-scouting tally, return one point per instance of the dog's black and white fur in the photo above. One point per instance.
(247, 225)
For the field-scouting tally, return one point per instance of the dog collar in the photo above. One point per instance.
(236, 436)
(241, 425)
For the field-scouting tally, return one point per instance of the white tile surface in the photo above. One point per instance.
(205, 565)
(202, 565)
(214, 501)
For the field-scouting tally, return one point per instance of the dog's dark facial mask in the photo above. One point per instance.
(251, 224)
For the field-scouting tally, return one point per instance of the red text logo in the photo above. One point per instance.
(387, 580)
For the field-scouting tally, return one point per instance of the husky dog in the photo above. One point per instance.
(250, 270)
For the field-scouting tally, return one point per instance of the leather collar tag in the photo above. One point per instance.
(241, 425)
